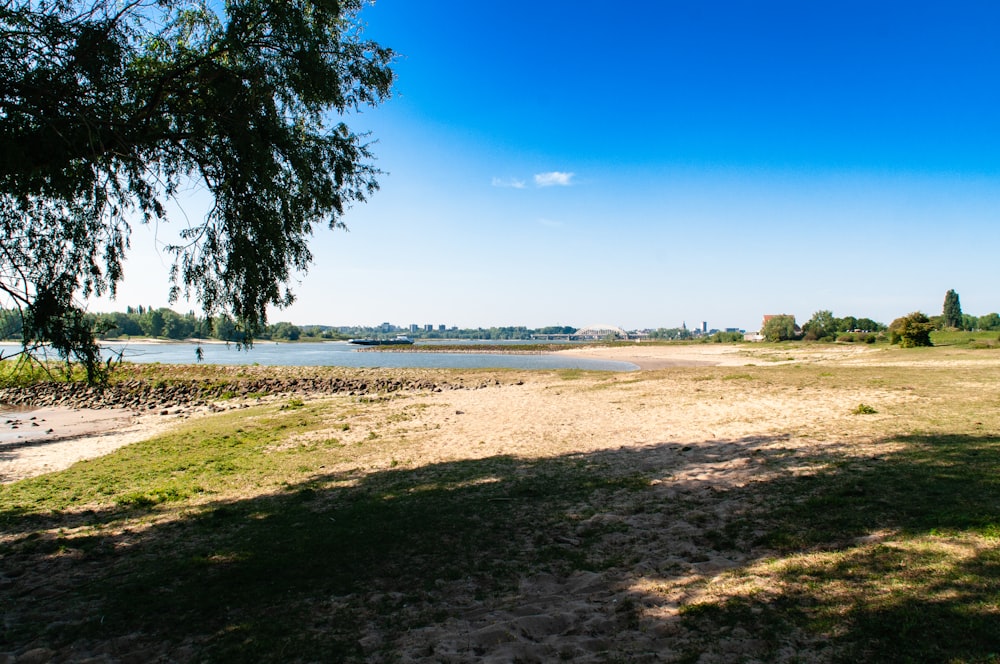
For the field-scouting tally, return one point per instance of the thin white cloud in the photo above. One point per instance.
(509, 182)
(554, 179)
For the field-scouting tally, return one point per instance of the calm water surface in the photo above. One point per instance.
(342, 354)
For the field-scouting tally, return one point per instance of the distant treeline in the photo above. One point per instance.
(824, 326)
(510, 332)
(164, 323)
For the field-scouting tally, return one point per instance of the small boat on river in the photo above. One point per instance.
(396, 341)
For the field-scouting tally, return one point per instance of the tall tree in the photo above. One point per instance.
(952, 312)
(108, 108)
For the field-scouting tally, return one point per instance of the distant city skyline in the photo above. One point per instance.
(560, 163)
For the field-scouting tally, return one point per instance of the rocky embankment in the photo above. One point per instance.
(173, 395)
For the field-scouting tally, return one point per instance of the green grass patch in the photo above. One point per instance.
(961, 338)
(738, 376)
(211, 455)
(20, 371)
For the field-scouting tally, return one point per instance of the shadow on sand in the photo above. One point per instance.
(585, 557)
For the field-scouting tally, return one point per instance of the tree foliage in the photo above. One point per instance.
(825, 326)
(989, 322)
(952, 310)
(161, 323)
(911, 331)
(780, 328)
(108, 109)
(822, 325)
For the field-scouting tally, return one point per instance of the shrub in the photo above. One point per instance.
(911, 331)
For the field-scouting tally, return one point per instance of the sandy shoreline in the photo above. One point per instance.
(38, 441)
(651, 357)
(44, 440)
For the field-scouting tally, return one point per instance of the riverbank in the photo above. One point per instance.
(653, 356)
(53, 425)
(659, 356)
(47, 427)
(680, 514)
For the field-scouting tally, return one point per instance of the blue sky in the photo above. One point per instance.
(653, 163)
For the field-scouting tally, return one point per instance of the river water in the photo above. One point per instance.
(343, 354)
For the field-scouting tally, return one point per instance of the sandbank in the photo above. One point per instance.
(657, 356)
(44, 440)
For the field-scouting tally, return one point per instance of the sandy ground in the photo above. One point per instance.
(703, 438)
(33, 442)
(46, 440)
(651, 356)
(696, 436)
(43, 440)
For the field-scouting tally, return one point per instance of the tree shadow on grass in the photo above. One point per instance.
(890, 560)
(584, 557)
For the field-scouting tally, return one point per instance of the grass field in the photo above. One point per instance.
(811, 506)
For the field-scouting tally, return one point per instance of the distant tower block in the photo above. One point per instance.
(704, 327)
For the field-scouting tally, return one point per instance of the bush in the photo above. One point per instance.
(911, 331)
(726, 337)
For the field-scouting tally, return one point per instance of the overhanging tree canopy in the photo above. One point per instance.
(107, 108)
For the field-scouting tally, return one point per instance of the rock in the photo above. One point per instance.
(491, 636)
(155, 396)
(36, 656)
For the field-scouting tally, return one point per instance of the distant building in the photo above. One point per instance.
(441, 328)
